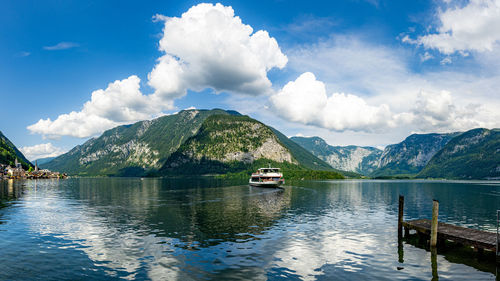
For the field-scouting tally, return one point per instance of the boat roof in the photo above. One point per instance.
(269, 168)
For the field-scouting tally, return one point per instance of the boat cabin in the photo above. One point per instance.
(268, 170)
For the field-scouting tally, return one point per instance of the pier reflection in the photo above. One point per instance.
(453, 253)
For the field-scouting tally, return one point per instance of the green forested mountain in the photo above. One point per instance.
(359, 159)
(411, 155)
(227, 143)
(134, 149)
(191, 142)
(306, 158)
(9, 153)
(474, 154)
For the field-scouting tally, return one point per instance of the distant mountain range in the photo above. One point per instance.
(411, 155)
(9, 153)
(198, 142)
(359, 159)
(189, 142)
(470, 155)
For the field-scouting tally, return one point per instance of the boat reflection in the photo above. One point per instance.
(127, 223)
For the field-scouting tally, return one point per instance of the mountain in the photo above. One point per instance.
(411, 155)
(474, 154)
(9, 153)
(190, 137)
(228, 143)
(306, 158)
(41, 161)
(363, 160)
(134, 149)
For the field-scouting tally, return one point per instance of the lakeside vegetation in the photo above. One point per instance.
(290, 175)
(237, 169)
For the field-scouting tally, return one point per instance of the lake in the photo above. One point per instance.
(178, 229)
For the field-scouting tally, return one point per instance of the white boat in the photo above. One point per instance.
(267, 177)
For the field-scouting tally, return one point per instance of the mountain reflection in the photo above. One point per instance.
(121, 224)
(180, 229)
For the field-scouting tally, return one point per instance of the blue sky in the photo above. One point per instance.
(352, 72)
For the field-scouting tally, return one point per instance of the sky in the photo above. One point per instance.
(353, 72)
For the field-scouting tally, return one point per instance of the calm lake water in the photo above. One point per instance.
(159, 229)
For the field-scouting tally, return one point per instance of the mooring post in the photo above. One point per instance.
(434, 222)
(400, 215)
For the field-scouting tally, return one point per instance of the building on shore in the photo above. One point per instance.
(17, 172)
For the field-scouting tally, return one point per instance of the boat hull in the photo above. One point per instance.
(266, 183)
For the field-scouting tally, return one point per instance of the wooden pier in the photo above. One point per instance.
(439, 231)
(481, 240)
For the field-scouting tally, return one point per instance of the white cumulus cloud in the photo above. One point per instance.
(473, 27)
(439, 111)
(207, 47)
(305, 101)
(42, 150)
(210, 47)
(120, 103)
(383, 76)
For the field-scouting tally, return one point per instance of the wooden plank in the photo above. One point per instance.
(467, 236)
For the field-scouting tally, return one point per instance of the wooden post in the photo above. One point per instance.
(434, 223)
(400, 215)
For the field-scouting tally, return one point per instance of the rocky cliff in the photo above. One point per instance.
(363, 160)
(411, 155)
(233, 143)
